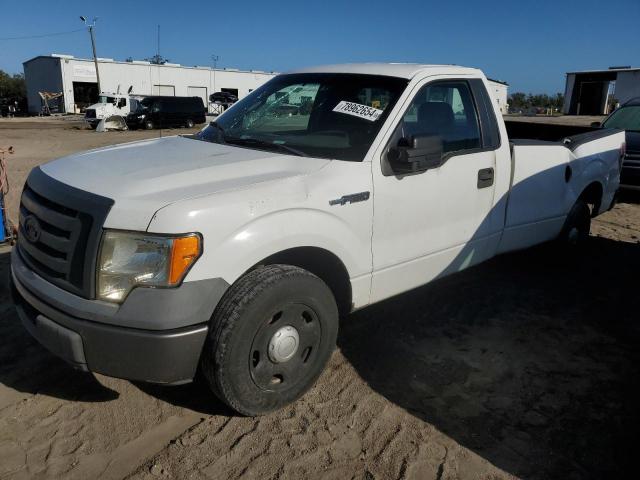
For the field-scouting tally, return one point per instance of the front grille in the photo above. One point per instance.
(90, 113)
(60, 228)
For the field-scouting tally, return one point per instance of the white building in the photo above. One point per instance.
(76, 79)
(500, 92)
(597, 92)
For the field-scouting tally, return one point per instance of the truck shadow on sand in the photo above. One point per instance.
(530, 360)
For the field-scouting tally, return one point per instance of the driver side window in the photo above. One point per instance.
(444, 110)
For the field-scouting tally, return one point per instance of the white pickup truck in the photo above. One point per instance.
(235, 251)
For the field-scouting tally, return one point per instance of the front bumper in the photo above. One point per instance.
(134, 121)
(167, 355)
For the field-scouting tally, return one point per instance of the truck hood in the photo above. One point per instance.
(142, 177)
(98, 107)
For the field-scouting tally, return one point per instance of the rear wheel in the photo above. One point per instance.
(270, 338)
(577, 226)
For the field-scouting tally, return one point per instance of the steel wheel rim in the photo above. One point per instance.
(271, 375)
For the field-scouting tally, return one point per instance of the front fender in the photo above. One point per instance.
(278, 231)
(242, 227)
(229, 251)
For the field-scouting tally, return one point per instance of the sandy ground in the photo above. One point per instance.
(527, 366)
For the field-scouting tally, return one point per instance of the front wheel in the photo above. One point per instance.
(270, 338)
(148, 125)
(190, 123)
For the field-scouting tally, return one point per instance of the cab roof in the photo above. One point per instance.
(402, 70)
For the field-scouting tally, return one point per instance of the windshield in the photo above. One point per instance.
(625, 118)
(141, 105)
(106, 99)
(321, 115)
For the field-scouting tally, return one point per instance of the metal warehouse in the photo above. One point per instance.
(597, 92)
(76, 79)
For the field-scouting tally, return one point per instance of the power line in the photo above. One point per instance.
(42, 36)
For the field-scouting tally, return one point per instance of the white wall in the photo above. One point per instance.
(500, 93)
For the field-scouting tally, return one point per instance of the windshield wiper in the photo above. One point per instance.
(254, 142)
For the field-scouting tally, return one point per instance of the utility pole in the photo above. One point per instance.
(93, 47)
(214, 59)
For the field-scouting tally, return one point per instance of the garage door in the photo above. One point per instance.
(165, 90)
(199, 92)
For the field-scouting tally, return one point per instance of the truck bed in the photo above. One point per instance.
(549, 176)
(543, 131)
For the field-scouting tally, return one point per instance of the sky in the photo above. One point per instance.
(530, 44)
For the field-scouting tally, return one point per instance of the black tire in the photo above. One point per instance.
(577, 226)
(148, 125)
(236, 361)
(190, 123)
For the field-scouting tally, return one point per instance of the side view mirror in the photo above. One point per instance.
(596, 124)
(420, 152)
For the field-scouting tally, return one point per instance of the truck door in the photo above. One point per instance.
(121, 106)
(434, 192)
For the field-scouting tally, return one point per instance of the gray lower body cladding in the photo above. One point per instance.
(112, 342)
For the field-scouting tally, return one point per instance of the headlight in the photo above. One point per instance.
(130, 259)
(142, 115)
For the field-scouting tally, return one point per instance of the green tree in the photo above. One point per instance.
(12, 87)
(520, 100)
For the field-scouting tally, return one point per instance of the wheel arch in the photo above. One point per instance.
(321, 262)
(592, 194)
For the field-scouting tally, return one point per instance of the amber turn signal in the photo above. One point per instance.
(184, 252)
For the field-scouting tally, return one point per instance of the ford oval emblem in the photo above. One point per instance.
(32, 229)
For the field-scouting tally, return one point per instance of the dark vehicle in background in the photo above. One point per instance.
(627, 118)
(165, 112)
(225, 99)
(12, 107)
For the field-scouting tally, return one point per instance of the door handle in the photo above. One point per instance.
(485, 177)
